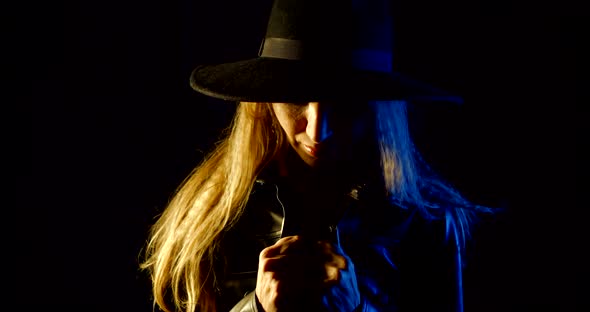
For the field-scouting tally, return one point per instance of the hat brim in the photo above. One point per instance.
(265, 79)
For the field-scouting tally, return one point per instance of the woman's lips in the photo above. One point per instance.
(312, 150)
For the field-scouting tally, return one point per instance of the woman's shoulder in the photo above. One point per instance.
(386, 221)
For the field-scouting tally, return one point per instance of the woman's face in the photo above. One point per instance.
(324, 134)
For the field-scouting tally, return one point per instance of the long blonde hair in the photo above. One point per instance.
(181, 254)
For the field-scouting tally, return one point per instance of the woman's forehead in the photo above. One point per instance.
(340, 106)
(328, 103)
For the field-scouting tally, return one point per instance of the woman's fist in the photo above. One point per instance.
(296, 273)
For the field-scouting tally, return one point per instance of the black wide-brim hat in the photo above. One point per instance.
(318, 50)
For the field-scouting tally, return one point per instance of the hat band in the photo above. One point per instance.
(289, 49)
(362, 59)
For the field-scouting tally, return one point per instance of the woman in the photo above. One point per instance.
(316, 199)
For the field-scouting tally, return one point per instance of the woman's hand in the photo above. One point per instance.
(296, 273)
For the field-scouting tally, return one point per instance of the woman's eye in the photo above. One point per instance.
(351, 110)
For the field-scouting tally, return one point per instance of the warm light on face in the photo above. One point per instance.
(321, 132)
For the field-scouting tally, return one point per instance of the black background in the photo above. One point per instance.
(110, 126)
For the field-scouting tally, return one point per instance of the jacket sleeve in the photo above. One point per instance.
(247, 304)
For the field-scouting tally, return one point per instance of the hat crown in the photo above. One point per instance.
(355, 33)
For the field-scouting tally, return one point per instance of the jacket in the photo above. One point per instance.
(403, 261)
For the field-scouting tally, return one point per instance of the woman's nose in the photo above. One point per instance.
(318, 122)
